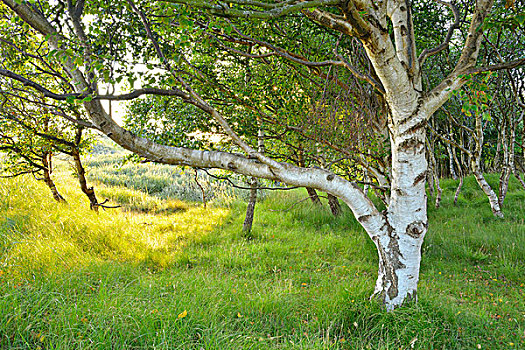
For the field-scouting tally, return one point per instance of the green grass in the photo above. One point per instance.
(190, 279)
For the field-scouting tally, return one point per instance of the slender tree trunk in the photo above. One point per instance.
(312, 193)
(493, 198)
(498, 158)
(250, 210)
(203, 193)
(508, 163)
(518, 176)
(46, 161)
(458, 190)
(475, 165)
(450, 156)
(334, 204)
(439, 192)
(432, 169)
(81, 175)
(450, 163)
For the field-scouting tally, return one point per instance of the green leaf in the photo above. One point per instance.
(520, 18)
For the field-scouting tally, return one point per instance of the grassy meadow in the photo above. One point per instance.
(162, 273)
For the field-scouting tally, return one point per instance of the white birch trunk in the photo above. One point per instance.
(475, 165)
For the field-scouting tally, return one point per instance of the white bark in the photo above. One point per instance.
(475, 165)
(399, 245)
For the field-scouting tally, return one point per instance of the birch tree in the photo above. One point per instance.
(385, 32)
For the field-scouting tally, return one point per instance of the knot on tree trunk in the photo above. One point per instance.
(416, 229)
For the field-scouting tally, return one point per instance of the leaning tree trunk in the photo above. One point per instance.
(81, 172)
(312, 193)
(475, 165)
(433, 171)
(46, 161)
(482, 182)
(334, 204)
(451, 162)
(81, 175)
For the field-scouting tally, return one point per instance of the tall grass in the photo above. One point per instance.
(301, 280)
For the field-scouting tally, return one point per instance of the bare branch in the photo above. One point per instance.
(429, 52)
(495, 67)
(246, 188)
(278, 10)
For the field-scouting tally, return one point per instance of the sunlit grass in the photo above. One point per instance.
(41, 235)
(191, 279)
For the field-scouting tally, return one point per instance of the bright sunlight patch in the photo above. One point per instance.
(40, 235)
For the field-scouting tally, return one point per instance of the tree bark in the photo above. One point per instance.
(313, 196)
(475, 165)
(335, 206)
(451, 162)
(46, 161)
(432, 168)
(250, 210)
(518, 176)
(399, 247)
(508, 164)
(81, 175)
(458, 190)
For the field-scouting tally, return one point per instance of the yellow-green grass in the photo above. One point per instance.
(40, 235)
(72, 279)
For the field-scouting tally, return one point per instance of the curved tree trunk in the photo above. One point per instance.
(518, 176)
(433, 170)
(475, 165)
(508, 157)
(81, 175)
(46, 161)
(493, 198)
(458, 190)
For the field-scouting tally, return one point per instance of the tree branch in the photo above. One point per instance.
(429, 52)
(281, 9)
